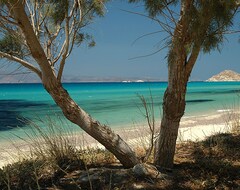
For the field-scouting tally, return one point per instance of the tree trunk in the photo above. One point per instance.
(180, 65)
(113, 142)
(103, 134)
(173, 110)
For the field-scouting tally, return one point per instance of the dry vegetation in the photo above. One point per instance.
(57, 163)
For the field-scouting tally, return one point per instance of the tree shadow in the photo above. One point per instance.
(211, 164)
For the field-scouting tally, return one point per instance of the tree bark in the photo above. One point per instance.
(174, 105)
(179, 70)
(103, 134)
(173, 110)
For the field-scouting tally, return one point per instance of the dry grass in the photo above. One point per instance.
(210, 164)
(59, 161)
(53, 152)
(232, 117)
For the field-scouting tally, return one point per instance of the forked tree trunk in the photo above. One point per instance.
(180, 65)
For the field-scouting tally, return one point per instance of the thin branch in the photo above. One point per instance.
(80, 10)
(37, 52)
(60, 53)
(231, 32)
(43, 18)
(192, 59)
(148, 55)
(171, 14)
(74, 31)
(162, 24)
(50, 43)
(32, 17)
(147, 35)
(22, 62)
(73, 9)
(14, 73)
(8, 21)
(64, 44)
(150, 117)
(64, 56)
(166, 18)
(170, 18)
(72, 43)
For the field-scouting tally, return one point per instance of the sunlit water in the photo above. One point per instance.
(115, 104)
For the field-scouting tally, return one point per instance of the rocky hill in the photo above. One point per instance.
(226, 75)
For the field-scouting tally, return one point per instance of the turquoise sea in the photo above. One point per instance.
(116, 104)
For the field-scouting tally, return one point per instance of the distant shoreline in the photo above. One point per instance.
(109, 82)
(82, 82)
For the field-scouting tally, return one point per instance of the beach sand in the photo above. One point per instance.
(193, 128)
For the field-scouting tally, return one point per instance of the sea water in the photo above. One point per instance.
(115, 104)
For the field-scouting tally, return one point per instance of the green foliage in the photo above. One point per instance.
(92, 44)
(210, 20)
(81, 37)
(11, 45)
(2, 2)
(155, 7)
(50, 18)
(206, 20)
(59, 10)
(98, 6)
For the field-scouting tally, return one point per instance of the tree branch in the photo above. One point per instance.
(147, 35)
(7, 20)
(192, 59)
(165, 26)
(22, 62)
(148, 55)
(37, 52)
(64, 56)
(32, 17)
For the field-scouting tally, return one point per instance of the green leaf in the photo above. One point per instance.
(59, 10)
(10, 44)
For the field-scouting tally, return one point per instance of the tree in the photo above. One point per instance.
(40, 36)
(193, 26)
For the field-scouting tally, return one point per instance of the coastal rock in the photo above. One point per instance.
(226, 75)
(146, 170)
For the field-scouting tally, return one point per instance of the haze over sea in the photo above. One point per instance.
(114, 103)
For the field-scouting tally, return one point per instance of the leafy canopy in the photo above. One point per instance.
(49, 19)
(11, 45)
(207, 20)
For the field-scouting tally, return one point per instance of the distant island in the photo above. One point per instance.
(226, 75)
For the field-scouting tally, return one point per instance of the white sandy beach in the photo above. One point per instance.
(191, 128)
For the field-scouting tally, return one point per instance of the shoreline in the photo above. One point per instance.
(192, 128)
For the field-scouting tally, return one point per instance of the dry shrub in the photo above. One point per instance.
(232, 117)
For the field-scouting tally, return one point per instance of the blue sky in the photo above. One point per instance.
(111, 57)
(114, 35)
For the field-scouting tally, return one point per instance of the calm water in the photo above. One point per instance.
(115, 104)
